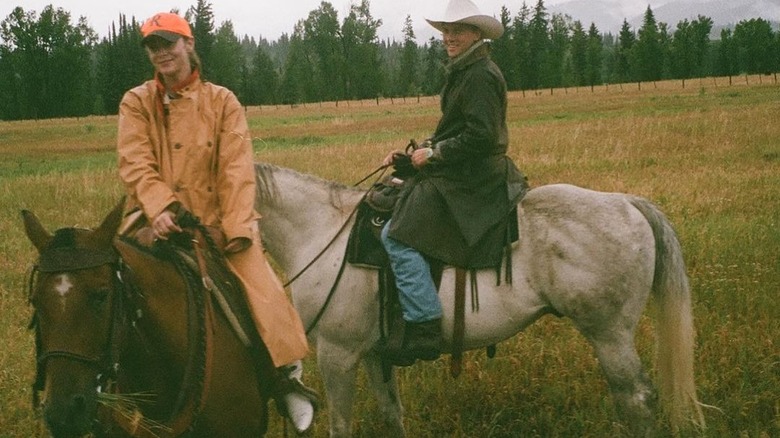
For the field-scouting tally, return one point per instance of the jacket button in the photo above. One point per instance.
(209, 143)
(177, 146)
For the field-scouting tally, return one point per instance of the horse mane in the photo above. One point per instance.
(269, 191)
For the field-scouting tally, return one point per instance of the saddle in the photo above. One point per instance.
(200, 250)
(365, 249)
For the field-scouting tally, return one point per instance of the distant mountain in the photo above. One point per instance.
(608, 15)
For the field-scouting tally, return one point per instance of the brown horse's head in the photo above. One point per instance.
(73, 298)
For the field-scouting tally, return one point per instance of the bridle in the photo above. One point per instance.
(70, 259)
(125, 313)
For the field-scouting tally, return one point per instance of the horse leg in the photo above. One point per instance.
(632, 391)
(386, 394)
(338, 368)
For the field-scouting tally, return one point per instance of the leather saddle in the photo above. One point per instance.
(201, 252)
(365, 249)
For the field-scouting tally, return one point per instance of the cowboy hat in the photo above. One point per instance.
(466, 12)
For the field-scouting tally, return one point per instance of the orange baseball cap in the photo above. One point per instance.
(166, 25)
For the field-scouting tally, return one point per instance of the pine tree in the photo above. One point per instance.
(624, 65)
(201, 20)
(407, 72)
(361, 53)
(593, 56)
(433, 67)
(579, 54)
(755, 44)
(647, 52)
(227, 59)
(502, 53)
(263, 79)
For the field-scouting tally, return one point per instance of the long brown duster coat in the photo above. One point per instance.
(201, 156)
(456, 209)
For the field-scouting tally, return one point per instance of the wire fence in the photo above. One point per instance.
(672, 84)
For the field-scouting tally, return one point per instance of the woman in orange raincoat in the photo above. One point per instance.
(185, 143)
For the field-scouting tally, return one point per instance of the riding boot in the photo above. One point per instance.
(294, 400)
(422, 340)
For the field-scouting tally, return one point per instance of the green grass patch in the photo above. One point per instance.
(707, 155)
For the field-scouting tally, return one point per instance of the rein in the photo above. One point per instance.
(193, 392)
(197, 373)
(343, 227)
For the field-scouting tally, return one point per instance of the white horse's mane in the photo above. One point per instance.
(268, 188)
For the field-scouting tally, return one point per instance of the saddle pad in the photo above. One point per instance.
(364, 247)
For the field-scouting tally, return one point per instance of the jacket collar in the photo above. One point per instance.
(178, 88)
(164, 96)
(480, 50)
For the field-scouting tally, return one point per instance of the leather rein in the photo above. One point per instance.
(330, 243)
(124, 315)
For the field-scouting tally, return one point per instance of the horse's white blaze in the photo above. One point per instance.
(63, 285)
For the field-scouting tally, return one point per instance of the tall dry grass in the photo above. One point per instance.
(708, 154)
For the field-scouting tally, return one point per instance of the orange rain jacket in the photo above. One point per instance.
(204, 160)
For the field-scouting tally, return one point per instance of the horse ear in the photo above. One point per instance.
(35, 231)
(105, 233)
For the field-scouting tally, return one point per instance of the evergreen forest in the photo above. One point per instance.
(52, 65)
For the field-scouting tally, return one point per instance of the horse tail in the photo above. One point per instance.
(674, 327)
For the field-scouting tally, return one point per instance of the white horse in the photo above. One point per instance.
(590, 256)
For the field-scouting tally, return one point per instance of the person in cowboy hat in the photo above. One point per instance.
(456, 209)
(184, 144)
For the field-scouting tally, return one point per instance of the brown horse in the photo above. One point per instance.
(127, 345)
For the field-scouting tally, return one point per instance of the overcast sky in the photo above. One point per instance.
(266, 18)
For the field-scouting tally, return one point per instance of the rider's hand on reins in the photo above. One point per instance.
(421, 156)
(165, 224)
(418, 154)
(390, 158)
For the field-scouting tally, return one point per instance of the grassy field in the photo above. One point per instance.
(708, 154)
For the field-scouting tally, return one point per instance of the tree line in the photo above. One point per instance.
(51, 66)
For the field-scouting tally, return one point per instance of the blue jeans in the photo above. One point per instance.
(417, 292)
